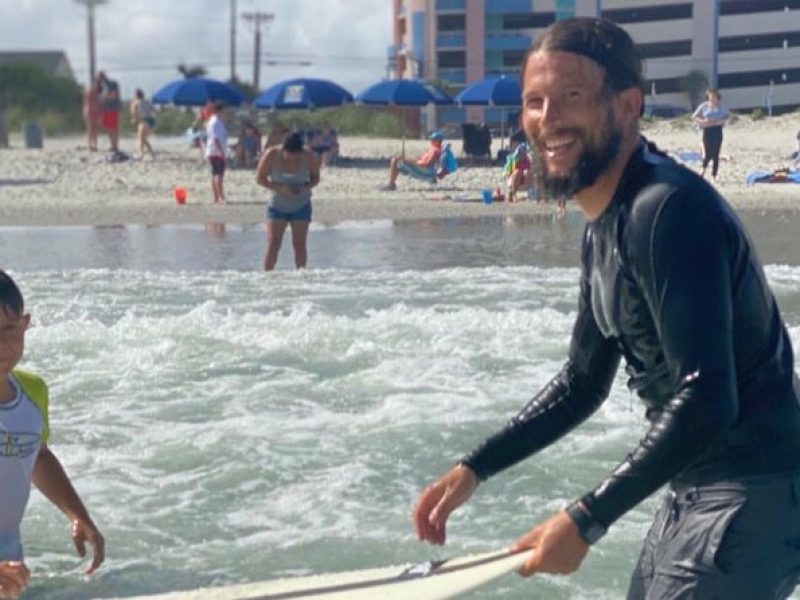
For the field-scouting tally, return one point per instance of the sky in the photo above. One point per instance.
(140, 43)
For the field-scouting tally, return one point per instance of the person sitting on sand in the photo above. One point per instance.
(248, 146)
(517, 170)
(424, 168)
(325, 142)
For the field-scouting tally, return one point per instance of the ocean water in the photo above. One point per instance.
(224, 425)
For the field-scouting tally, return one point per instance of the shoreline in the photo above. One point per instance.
(65, 184)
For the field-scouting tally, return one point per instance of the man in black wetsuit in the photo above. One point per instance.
(671, 283)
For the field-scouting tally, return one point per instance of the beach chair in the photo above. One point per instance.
(477, 141)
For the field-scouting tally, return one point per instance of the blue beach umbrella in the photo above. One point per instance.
(303, 93)
(404, 93)
(503, 92)
(196, 91)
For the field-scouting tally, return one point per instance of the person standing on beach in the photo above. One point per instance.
(216, 143)
(711, 117)
(144, 117)
(92, 113)
(111, 106)
(671, 283)
(25, 457)
(290, 172)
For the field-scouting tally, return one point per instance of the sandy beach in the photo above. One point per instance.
(65, 184)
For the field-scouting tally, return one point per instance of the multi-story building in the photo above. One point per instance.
(749, 49)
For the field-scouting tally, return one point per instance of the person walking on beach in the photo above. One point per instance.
(92, 113)
(143, 115)
(111, 105)
(711, 116)
(671, 283)
(290, 172)
(25, 457)
(216, 143)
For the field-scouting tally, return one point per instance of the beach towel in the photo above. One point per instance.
(689, 156)
(776, 176)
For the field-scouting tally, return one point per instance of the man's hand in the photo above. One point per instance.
(439, 499)
(83, 532)
(14, 576)
(556, 547)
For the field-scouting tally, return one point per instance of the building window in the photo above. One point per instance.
(451, 60)
(642, 14)
(451, 23)
(664, 49)
(513, 58)
(759, 78)
(762, 41)
(744, 7)
(529, 20)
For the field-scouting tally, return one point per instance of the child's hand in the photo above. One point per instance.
(83, 532)
(14, 576)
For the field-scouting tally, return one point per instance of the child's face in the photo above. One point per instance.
(12, 339)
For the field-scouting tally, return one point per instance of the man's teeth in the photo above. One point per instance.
(560, 143)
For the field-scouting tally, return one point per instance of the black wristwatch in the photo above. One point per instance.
(589, 528)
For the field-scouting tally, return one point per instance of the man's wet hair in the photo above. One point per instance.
(10, 296)
(600, 40)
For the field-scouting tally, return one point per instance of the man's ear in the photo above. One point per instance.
(631, 103)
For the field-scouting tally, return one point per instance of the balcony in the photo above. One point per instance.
(508, 42)
(508, 6)
(451, 40)
(454, 76)
(450, 5)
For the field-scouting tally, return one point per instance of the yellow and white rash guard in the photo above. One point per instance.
(23, 430)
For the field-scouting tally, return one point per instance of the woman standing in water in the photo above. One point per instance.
(290, 172)
(711, 117)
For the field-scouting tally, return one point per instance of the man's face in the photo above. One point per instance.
(12, 339)
(569, 116)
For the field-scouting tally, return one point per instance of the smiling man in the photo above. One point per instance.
(671, 283)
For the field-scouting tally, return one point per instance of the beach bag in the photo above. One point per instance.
(449, 162)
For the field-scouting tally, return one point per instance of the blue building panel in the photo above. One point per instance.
(508, 6)
(450, 5)
(454, 76)
(508, 42)
(452, 116)
(451, 40)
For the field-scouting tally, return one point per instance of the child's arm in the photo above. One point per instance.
(51, 479)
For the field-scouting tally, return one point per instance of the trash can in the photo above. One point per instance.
(32, 134)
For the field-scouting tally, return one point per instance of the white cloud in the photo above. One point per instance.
(140, 43)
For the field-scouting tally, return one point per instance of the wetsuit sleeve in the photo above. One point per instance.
(566, 401)
(682, 263)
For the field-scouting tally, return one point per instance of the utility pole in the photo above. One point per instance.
(90, 4)
(233, 40)
(257, 18)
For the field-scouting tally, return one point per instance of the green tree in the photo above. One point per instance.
(32, 93)
(695, 83)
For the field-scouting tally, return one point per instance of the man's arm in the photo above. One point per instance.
(686, 279)
(51, 479)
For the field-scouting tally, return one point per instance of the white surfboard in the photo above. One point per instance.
(433, 580)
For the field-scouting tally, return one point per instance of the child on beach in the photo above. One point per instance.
(25, 457)
(143, 115)
(216, 144)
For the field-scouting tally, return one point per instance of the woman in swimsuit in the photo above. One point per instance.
(143, 116)
(290, 172)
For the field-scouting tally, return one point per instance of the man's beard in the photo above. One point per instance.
(592, 162)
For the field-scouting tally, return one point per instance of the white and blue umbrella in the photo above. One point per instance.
(196, 91)
(303, 93)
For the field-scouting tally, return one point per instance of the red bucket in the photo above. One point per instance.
(180, 194)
